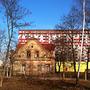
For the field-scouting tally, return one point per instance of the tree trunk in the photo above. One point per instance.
(63, 70)
(55, 67)
(87, 62)
(59, 65)
(12, 70)
(1, 81)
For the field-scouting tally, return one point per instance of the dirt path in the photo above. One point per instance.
(14, 84)
(25, 84)
(18, 83)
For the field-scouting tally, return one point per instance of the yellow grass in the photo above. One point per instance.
(70, 68)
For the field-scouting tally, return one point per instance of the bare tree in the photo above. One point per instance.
(14, 15)
(71, 23)
(2, 49)
(79, 5)
(74, 20)
(84, 8)
(62, 52)
(2, 39)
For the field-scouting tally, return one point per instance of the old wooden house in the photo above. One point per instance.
(34, 58)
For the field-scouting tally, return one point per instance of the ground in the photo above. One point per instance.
(22, 83)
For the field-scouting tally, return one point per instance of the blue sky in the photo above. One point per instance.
(46, 13)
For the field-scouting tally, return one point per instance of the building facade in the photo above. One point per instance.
(33, 58)
(48, 36)
(36, 49)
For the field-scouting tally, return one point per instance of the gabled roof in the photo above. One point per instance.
(49, 47)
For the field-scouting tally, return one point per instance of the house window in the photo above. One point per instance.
(44, 68)
(45, 55)
(47, 67)
(31, 46)
(19, 56)
(28, 54)
(37, 54)
(39, 68)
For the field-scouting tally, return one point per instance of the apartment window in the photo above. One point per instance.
(89, 36)
(75, 35)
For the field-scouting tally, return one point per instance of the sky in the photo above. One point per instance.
(46, 13)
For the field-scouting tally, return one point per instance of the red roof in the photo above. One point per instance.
(47, 46)
(19, 46)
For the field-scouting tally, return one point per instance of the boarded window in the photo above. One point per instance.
(37, 54)
(44, 68)
(28, 54)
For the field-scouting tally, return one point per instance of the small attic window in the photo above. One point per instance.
(31, 46)
(19, 56)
